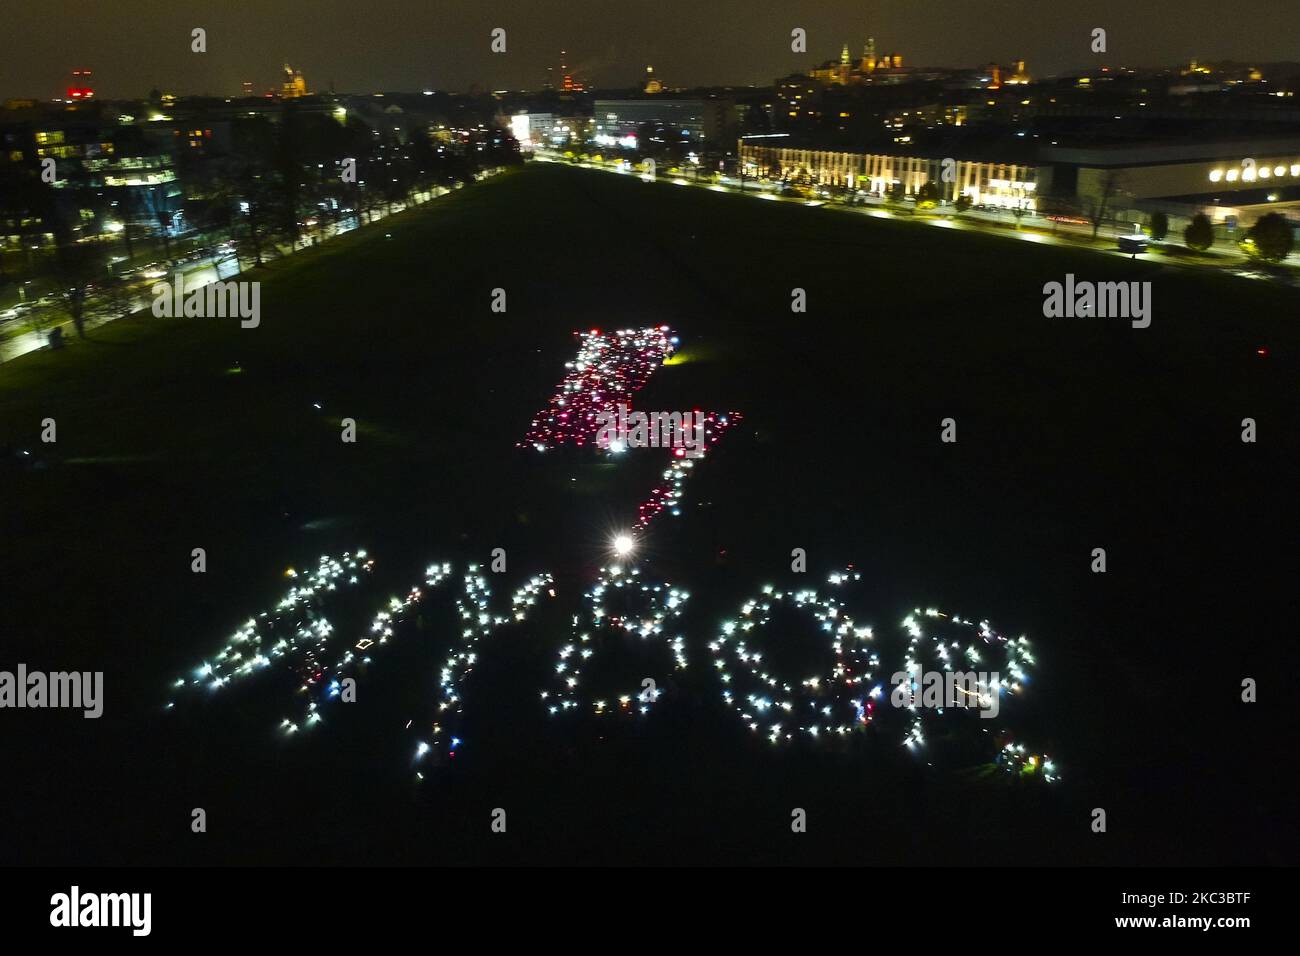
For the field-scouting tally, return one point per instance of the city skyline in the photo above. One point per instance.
(394, 46)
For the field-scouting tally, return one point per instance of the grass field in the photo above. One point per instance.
(1072, 434)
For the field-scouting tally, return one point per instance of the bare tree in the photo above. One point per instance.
(1112, 185)
(77, 266)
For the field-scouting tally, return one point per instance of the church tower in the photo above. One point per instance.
(869, 55)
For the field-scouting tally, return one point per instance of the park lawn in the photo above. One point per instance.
(1073, 433)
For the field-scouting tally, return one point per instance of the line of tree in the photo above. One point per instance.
(279, 184)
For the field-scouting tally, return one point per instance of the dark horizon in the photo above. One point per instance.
(399, 45)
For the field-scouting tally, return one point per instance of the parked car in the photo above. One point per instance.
(1135, 243)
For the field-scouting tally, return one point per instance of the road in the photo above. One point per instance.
(198, 273)
(1224, 255)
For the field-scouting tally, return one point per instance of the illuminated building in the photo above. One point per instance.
(567, 83)
(1000, 76)
(294, 85)
(521, 130)
(80, 88)
(704, 123)
(870, 68)
(652, 85)
(52, 144)
(1233, 182)
(547, 130)
(133, 170)
(1020, 77)
(96, 156)
(1008, 185)
(800, 98)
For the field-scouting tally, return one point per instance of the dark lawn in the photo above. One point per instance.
(1073, 434)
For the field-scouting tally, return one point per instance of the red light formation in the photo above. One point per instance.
(609, 368)
(668, 492)
(80, 88)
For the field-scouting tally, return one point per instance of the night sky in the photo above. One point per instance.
(367, 45)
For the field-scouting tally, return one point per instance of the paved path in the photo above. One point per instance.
(99, 313)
